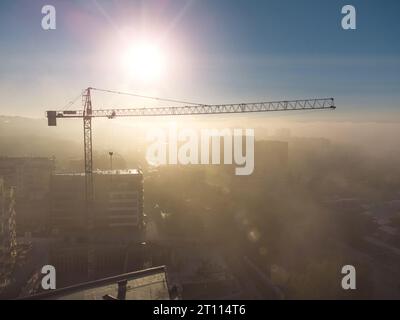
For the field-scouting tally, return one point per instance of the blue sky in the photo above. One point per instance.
(219, 51)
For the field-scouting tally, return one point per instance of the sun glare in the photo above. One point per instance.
(144, 62)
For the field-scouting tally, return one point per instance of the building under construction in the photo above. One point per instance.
(117, 207)
(117, 238)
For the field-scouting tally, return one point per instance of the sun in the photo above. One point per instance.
(144, 62)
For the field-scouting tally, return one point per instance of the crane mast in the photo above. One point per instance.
(89, 185)
(195, 109)
(87, 140)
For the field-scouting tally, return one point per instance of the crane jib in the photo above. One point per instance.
(310, 104)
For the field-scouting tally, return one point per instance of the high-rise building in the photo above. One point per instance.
(117, 209)
(31, 177)
(8, 237)
(116, 240)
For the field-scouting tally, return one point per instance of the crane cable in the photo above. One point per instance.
(72, 102)
(148, 97)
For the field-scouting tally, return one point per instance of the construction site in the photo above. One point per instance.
(95, 219)
(199, 150)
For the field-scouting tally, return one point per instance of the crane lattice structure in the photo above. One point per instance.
(87, 114)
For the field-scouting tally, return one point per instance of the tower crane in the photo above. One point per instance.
(88, 113)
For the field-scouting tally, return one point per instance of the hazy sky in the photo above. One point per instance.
(213, 51)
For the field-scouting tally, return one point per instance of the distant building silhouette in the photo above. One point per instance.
(31, 178)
